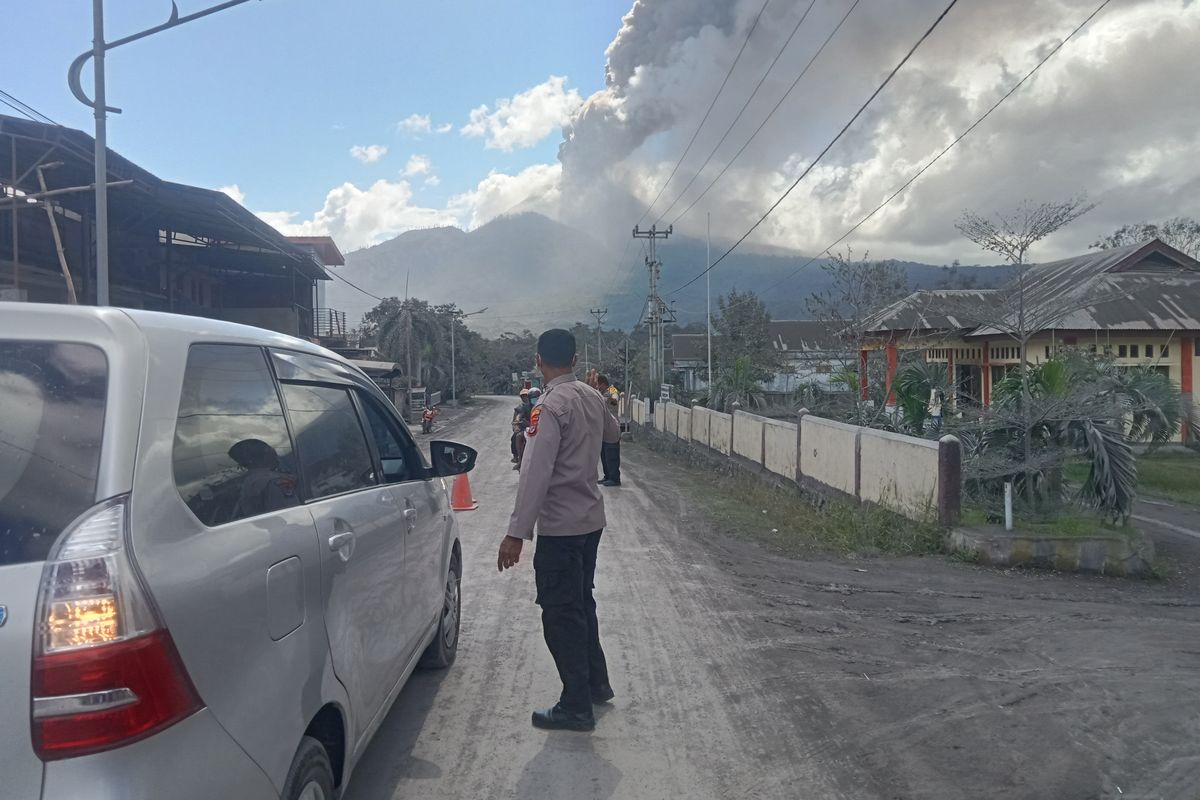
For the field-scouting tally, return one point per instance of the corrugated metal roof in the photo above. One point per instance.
(788, 335)
(1145, 286)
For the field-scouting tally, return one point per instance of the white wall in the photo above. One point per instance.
(683, 423)
(828, 452)
(748, 436)
(900, 472)
(701, 417)
(779, 448)
(720, 432)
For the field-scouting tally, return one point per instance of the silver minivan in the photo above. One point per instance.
(221, 556)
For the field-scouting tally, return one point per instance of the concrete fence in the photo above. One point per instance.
(918, 478)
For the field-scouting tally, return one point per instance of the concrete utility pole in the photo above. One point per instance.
(101, 109)
(708, 292)
(656, 309)
(599, 314)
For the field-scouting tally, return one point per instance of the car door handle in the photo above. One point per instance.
(342, 544)
(410, 517)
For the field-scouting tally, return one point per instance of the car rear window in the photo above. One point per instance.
(233, 455)
(51, 424)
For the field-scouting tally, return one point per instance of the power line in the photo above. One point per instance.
(828, 147)
(904, 186)
(24, 108)
(19, 110)
(711, 105)
(355, 286)
(741, 111)
(770, 114)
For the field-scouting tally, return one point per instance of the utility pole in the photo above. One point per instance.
(599, 314)
(455, 316)
(656, 309)
(708, 292)
(101, 109)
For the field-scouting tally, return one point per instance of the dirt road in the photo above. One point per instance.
(741, 674)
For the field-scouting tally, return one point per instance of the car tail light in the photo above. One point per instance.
(105, 670)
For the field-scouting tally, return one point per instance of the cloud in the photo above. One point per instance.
(235, 192)
(446, 128)
(526, 118)
(368, 154)
(415, 123)
(418, 165)
(357, 217)
(1112, 114)
(433, 180)
(534, 188)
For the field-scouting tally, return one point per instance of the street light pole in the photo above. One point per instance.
(101, 109)
(101, 155)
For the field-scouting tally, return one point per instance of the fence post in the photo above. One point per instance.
(949, 480)
(800, 443)
(858, 434)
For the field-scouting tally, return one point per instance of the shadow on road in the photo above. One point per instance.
(568, 766)
(389, 759)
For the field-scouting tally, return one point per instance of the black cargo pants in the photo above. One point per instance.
(565, 571)
(610, 461)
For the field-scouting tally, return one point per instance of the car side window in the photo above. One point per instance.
(329, 439)
(232, 454)
(397, 453)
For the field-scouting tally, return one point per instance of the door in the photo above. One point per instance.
(360, 530)
(426, 511)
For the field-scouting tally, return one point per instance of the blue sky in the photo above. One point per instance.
(271, 95)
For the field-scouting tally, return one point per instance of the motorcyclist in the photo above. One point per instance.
(520, 421)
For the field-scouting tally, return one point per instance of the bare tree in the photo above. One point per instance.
(1182, 233)
(857, 288)
(1011, 235)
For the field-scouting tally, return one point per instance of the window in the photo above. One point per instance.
(333, 451)
(1122, 351)
(1047, 351)
(1166, 351)
(233, 457)
(396, 453)
(52, 395)
(1149, 351)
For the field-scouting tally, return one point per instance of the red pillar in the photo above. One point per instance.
(987, 374)
(862, 374)
(891, 371)
(1186, 347)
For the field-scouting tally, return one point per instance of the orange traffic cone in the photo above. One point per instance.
(460, 496)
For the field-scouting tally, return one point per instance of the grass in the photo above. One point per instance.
(1171, 474)
(1066, 523)
(789, 521)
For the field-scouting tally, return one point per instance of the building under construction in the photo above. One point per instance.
(172, 247)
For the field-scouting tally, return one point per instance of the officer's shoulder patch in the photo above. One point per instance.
(533, 420)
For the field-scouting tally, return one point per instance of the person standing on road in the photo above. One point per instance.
(610, 452)
(557, 491)
(520, 422)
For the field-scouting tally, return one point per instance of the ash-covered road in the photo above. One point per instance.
(740, 674)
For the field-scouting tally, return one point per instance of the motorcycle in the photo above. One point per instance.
(427, 418)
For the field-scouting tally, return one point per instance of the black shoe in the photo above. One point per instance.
(610, 483)
(556, 719)
(602, 694)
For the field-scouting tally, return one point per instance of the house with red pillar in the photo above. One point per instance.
(1138, 304)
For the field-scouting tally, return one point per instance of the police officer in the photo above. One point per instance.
(557, 491)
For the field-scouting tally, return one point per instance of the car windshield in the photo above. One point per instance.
(52, 396)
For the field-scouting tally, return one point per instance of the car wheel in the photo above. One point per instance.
(311, 775)
(444, 647)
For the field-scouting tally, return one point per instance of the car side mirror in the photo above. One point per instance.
(451, 458)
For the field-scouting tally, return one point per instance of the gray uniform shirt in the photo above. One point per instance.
(558, 490)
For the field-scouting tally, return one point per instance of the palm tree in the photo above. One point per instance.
(1076, 405)
(737, 383)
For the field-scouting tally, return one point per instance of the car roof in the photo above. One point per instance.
(99, 323)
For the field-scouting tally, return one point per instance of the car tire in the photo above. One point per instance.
(442, 651)
(311, 775)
